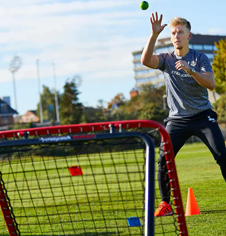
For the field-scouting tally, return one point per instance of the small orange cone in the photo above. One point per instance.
(192, 207)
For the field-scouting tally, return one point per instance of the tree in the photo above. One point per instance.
(100, 104)
(220, 107)
(119, 99)
(219, 66)
(48, 105)
(71, 110)
(92, 115)
(147, 105)
(151, 101)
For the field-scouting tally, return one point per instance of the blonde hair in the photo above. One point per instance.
(180, 21)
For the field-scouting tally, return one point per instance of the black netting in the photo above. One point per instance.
(100, 199)
(48, 200)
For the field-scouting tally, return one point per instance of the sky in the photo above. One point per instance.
(91, 38)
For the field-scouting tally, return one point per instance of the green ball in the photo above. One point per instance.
(144, 5)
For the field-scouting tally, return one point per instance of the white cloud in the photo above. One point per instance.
(80, 5)
(23, 28)
(81, 43)
(34, 8)
(101, 60)
(216, 31)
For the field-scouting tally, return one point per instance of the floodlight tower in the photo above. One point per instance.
(56, 97)
(13, 67)
(40, 97)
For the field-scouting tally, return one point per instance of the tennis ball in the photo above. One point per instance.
(144, 5)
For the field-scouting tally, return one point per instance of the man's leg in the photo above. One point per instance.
(179, 133)
(209, 132)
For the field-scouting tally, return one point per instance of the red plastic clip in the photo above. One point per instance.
(75, 170)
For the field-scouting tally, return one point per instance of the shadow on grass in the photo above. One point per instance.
(213, 212)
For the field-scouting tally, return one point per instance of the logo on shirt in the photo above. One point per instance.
(193, 63)
(211, 119)
(168, 123)
(180, 74)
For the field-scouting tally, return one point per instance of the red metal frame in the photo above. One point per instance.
(9, 219)
(128, 124)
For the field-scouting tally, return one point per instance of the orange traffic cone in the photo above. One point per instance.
(192, 206)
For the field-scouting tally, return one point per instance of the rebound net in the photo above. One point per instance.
(86, 179)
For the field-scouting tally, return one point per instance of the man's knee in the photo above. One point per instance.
(221, 157)
(221, 161)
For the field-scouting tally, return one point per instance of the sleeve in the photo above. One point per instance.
(205, 65)
(161, 64)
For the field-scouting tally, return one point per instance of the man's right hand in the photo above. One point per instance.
(156, 26)
(147, 58)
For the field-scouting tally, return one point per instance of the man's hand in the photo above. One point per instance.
(206, 79)
(147, 58)
(183, 65)
(156, 26)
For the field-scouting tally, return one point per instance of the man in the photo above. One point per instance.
(188, 75)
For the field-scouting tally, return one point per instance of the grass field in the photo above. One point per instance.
(196, 169)
(99, 202)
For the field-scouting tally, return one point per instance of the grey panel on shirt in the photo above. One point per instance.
(185, 97)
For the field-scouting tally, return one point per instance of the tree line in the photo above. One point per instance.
(147, 105)
(70, 109)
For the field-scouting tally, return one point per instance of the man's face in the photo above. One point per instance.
(180, 36)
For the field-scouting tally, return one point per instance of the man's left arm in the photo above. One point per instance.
(205, 79)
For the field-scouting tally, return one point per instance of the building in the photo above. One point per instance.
(201, 43)
(29, 117)
(6, 112)
(133, 93)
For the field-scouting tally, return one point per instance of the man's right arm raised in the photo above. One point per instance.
(147, 58)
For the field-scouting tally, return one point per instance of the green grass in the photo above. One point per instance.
(196, 169)
(76, 197)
